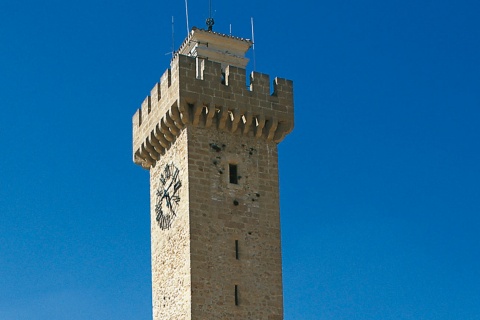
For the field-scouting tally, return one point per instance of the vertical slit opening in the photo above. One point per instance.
(236, 249)
(233, 173)
(236, 295)
(191, 111)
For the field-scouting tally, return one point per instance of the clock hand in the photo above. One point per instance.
(164, 193)
(159, 193)
(169, 204)
(168, 188)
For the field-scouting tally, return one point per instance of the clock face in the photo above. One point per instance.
(168, 196)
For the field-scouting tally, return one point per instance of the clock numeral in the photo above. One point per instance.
(158, 210)
(176, 199)
(168, 172)
(177, 186)
(175, 174)
(164, 222)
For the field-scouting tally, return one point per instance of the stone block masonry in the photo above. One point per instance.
(236, 269)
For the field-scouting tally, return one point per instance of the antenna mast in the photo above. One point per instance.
(173, 38)
(210, 22)
(253, 45)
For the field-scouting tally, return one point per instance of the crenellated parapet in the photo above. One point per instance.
(198, 92)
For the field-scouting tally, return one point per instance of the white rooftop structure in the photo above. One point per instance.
(218, 47)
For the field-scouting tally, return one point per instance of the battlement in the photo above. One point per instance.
(199, 92)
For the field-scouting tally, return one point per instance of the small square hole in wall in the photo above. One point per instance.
(233, 173)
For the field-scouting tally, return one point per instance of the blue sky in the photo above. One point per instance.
(380, 192)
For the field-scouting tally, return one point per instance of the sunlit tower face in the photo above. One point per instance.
(210, 144)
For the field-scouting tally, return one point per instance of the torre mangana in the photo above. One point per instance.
(210, 144)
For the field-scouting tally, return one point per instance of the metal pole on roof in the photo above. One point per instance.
(210, 22)
(186, 13)
(253, 45)
(173, 38)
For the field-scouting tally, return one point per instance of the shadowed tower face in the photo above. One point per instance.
(210, 144)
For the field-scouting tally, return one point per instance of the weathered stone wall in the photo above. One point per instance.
(171, 283)
(222, 213)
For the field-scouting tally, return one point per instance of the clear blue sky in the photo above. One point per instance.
(380, 180)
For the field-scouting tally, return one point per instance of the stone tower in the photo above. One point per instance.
(210, 144)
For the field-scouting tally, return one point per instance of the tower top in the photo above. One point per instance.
(218, 47)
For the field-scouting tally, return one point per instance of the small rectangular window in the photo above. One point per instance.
(233, 170)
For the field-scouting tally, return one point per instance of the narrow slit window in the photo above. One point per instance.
(236, 295)
(223, 78)
(191, 110)
(233, 169)
(236, 249)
